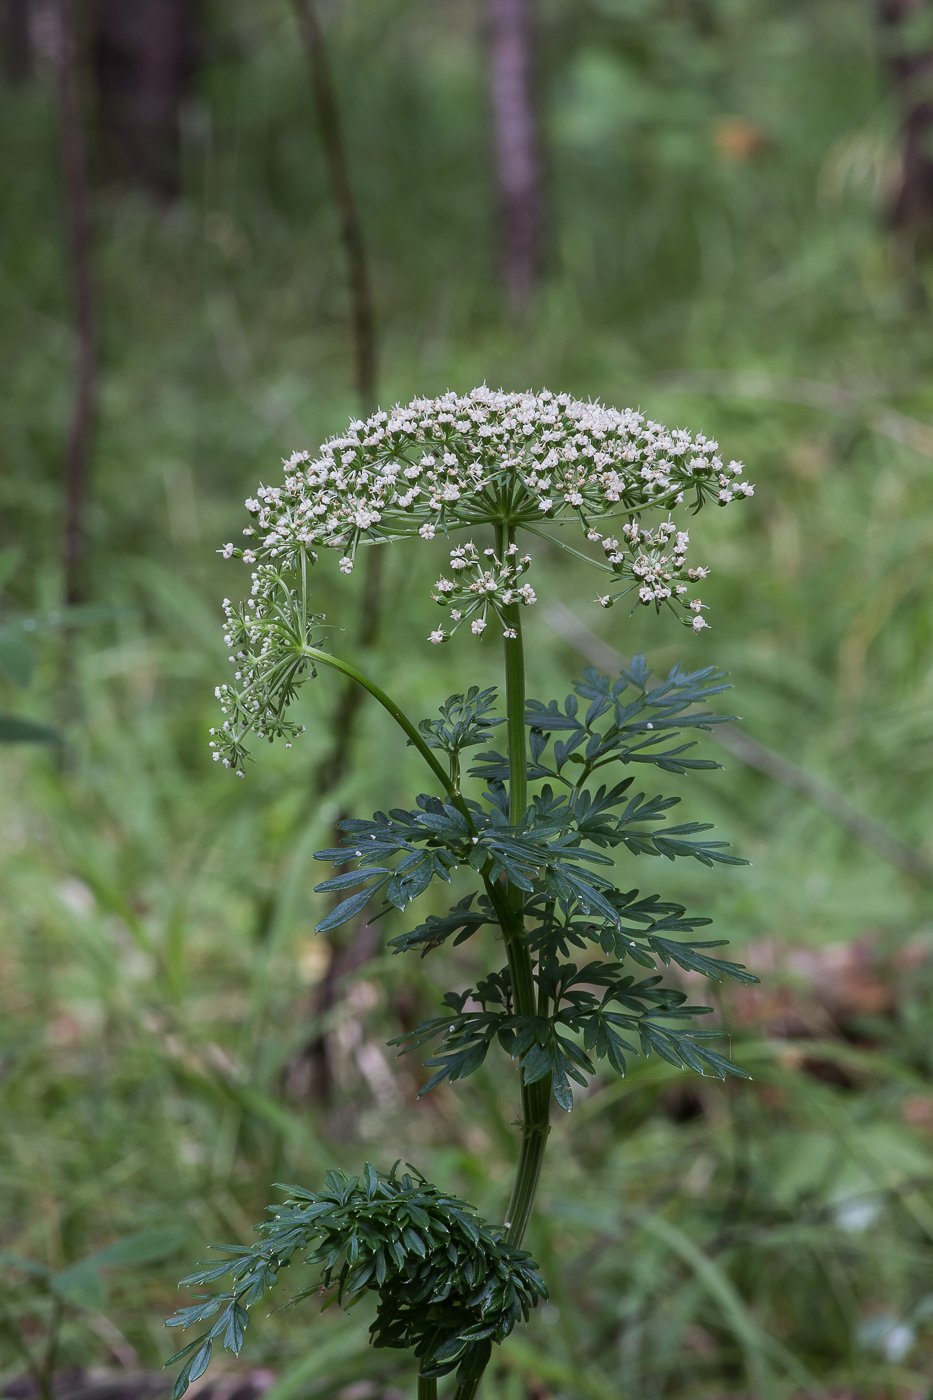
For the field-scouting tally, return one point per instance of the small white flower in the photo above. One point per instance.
(699, 623)
(440, 465)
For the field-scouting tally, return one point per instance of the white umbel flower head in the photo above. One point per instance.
(509, 461)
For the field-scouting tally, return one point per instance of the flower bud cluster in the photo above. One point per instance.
(482, 583)
(266, 638)
(654, 563)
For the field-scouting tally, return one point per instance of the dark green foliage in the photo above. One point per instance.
(465, 722)
(544, 1044)
(448, 1287)
(548, 843)
(546, 856)
(635, 729)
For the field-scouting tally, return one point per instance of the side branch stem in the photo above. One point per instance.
(323, 658)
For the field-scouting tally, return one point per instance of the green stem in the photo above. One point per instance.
(427, 1388)
(508, 901)
(324, 658)
(515, 712)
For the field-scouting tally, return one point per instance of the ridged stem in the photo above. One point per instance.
(324, 658)
(427, 1388)
(508, 901)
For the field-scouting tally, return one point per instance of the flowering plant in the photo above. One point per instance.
(536, 833)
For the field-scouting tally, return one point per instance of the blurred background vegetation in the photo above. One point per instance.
(732, 205)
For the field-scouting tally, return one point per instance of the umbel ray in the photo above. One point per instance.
(537, 815)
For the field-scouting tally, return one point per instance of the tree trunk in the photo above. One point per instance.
(911, 72)
(144, 54)
(78, 236)
(17, 48)
(515, 147)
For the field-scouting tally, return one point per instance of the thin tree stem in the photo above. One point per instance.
(351, 232)
(510, 26)
(427, 1388)
(336, 762)
(78, 231)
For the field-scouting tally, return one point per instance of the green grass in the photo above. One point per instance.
(157, 959)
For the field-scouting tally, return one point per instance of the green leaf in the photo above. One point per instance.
(81, 615)
(17, 657)
(144, 1247)
(345, 911)
(81, 1285)
(9, 562)
(14, 730)
(194, 1370)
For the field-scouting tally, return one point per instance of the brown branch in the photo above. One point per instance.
(351, 233)
(313, 1065)
(515, 146)
(78, 234)
(748, 750)
(334, 765)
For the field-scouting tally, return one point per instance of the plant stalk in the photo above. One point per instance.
(427, 1388)
(536, 1097)
(324, 658)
